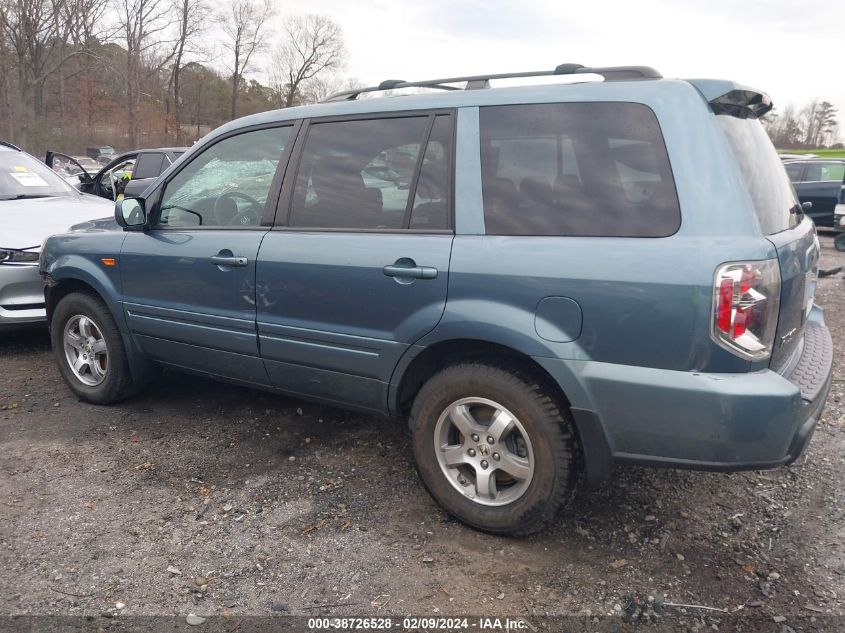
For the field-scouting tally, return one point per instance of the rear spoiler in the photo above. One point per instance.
(728, 97)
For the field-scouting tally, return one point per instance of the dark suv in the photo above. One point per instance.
(543, 280)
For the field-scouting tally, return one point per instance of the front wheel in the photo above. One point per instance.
(839, 242)
(89, 349)
(494, 448)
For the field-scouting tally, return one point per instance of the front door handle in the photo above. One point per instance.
(228, 260)
(410, 272)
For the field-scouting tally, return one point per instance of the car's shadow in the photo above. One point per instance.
(18, 340)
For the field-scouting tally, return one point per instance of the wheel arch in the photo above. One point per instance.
(57, 290)
(428, 360)
(424, 362)
(60, 284)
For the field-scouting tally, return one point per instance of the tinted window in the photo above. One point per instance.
(764, 174)
(793, 170)
(431, 210)
(147, 166)
(359, 175)
(825, 172)
(226, 184)
(597, 169)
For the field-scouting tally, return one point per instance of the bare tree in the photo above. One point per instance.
(313, 46)
(6, 81)
(34, 37)
(86, 20)
(244, 26)
(143, 23)
(323, 86)
(192, 19)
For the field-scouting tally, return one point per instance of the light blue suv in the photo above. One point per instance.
(543, 280)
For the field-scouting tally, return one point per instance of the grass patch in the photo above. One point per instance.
(821, 153)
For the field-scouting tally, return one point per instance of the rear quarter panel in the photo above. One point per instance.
(645, 301)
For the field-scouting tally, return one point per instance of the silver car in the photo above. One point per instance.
(35, 203)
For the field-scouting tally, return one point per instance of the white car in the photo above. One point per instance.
(35, 203)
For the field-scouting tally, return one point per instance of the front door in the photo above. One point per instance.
(359, 270)
(189, 282)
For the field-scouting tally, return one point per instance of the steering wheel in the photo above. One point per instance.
(248, 217)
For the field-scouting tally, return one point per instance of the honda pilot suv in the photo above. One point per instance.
(543, 280)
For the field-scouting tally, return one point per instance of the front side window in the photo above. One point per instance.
(793, 170)
(360, 175)
(113, 180)
(589, 169)
(227, 184)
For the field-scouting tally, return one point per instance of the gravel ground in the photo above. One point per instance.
(213, 499)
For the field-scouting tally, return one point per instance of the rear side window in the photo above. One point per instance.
(148, 166)
(764, 174)
(362, 174)
(825, 172)
(587, 169)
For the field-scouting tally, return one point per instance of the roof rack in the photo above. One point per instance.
(7, 144)
(475, 82)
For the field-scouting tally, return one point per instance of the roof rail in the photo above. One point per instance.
(7, 144)
(474, 82)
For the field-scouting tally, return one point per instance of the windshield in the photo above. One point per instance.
(763, 171)
(21, 176)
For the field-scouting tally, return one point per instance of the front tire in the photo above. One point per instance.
(494, 448)
(839, 242)
(89, 349)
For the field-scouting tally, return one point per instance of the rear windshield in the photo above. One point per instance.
(21, 176)
(763, 172)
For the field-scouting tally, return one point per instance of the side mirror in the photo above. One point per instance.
(131, 214)
(806, 206)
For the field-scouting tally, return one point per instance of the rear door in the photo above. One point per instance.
(356, 269)
(147, 168)
(781, 220)
(189, 281)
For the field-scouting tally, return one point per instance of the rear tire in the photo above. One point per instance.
(89, 349)
(839, 242)
(494, 448)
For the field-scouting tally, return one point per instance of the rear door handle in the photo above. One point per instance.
(228, 260)
(414, 272)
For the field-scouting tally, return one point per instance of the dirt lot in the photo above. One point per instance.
(260, 504)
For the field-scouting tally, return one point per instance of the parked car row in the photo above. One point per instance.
(127, 174)
(544, 280)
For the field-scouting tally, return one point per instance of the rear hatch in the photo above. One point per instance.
(785, 226)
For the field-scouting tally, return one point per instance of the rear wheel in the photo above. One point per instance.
(89, 349)
(839, 242)
(494, 448)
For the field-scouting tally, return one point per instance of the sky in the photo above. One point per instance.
(788, 48)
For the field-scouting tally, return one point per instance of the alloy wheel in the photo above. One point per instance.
(484, 451)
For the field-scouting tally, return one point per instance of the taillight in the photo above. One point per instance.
(746, 297)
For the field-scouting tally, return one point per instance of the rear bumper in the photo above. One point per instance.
(722, 422)
(21, 296)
